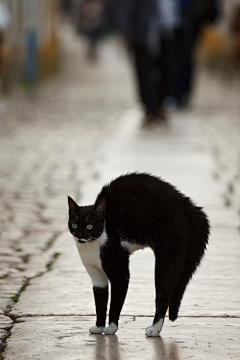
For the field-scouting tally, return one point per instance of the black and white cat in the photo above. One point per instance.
(132, 212)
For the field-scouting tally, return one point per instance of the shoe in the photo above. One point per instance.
(163, 115)
(147, 120)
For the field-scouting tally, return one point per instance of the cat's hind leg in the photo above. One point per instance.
(166, 277)
(196, 250)
(155, 329)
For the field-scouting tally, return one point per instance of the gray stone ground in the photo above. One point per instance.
(71, 135)
(50, 139)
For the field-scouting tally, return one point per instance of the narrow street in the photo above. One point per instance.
(70, 136)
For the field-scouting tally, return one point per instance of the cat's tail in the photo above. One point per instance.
(200, 230)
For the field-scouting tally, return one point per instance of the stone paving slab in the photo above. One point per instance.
(49, 142)
(5, 322)
(67, 337)
(67, 289)
(66, 123)
(177, 153)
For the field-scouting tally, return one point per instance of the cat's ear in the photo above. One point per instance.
(100, 209)
(73, 207)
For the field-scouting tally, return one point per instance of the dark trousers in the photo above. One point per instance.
(167, 74)
(180, 86)
(153, 75)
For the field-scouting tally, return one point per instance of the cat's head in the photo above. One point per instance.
(86, 223)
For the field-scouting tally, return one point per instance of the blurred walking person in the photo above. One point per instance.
(66, 7)
(162, 34)
(149, 28)
(235, 27)
(89, 24)
(4, 21)
(194, 14)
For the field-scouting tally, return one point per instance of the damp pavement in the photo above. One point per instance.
(70, 136)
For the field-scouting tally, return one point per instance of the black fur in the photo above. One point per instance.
(101, 300)
(145, 210)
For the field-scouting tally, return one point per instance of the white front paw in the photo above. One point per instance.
(96, 330)
(111, 329)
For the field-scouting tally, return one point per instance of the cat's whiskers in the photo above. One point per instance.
(69, 240)
(92, 245)
(71, 245)
(89, 247)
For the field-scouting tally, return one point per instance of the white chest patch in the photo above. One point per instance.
(90, 251)
(131, 247)
(90, 255)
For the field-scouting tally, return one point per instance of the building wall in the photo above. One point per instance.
(219, 43)
(228, 9)
(30, 48)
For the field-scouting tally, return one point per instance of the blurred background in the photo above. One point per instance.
(72, 70)
(76, 77)
(30, 45)
(29, 40)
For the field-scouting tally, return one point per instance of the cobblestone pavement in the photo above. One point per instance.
(217, 106)
(51, 145)
(50, 139)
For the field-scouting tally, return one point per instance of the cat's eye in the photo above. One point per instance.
(74, 226)
(89, 227)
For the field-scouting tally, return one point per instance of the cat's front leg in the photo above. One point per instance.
(100, 291)
(166, 277)
(111, 329)
(101, 300)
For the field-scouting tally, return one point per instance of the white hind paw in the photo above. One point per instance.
(96, 330)
(111, 329)
(155, 329)
(150, 331)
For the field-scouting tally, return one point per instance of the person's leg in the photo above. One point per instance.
(147, 75)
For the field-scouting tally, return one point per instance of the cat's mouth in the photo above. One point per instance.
(82, 241)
